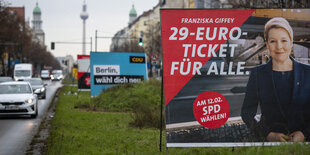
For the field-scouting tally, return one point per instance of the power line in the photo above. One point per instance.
(68, 42)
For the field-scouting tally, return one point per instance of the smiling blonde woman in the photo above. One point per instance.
(281, 88)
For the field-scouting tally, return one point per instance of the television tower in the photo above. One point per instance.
(84, 16)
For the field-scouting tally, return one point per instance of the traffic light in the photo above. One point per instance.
(140, 41)
(52, 45)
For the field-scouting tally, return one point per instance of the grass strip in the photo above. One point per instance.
(78, 131)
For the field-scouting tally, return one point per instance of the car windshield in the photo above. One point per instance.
(22, 73)
(15, 89)
(35, 81)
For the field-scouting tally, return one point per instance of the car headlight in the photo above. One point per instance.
(42, 89)
(29, 100)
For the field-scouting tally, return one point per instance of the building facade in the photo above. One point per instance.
(147, 25)
(66, 63)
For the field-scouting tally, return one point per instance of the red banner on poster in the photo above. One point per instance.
(191, 37)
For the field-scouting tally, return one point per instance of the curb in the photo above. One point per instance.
(38, 143)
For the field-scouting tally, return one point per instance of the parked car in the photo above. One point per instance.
(5, 79)
(17, 98)
(45, 74)
(57, 75)
(38, 87)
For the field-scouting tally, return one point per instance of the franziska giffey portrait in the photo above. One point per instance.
(281, 88)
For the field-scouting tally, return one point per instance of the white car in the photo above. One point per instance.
(17, 98)
(45, 74)
(5, 79)
(57, 75)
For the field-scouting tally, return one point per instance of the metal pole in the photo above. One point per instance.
(96, 41)
(91, 43)
(161, 110)
(84, 34)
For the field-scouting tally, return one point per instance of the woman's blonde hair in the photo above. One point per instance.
(278, 22)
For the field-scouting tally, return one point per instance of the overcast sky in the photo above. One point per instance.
(62, 22)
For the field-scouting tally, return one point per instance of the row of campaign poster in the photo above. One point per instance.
(219, 79)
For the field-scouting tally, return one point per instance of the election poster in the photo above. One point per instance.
(236, 77)
(111, 68)
(83, 72)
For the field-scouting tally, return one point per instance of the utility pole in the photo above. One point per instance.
(91, 44)
(96, 41)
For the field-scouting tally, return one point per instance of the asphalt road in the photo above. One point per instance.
(16, 132)
(180, 109)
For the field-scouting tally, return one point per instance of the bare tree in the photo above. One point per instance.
(153, 43)
(130, 45)
(153, 39)
(16, 43)
(11, 36)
